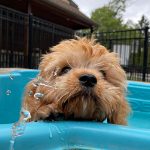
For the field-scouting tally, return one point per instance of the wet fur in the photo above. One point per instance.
(67, 96)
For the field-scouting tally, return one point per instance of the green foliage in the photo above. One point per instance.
(137, 58)
(118, 6)
(109, 17)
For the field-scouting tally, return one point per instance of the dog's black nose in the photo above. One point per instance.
(88, 80)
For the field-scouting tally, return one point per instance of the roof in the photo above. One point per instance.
(71, 12)
(62, 12)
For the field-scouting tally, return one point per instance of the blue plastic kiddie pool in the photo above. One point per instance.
(73, 135)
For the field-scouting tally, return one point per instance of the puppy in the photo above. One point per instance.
(80, 80)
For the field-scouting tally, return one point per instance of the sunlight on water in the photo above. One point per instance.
(82, 148)
(18, 128)
(8, 92)
(57, 129)
(11, 76)
(50, 132)
(53, 127)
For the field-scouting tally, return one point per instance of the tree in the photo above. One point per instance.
(143, 22)
(118, 6)
(130, 24)
(109, 17)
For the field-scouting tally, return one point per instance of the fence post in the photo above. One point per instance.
(91, 32)
(110, 45)
(30, 41)
(53, 36)
(145, 55)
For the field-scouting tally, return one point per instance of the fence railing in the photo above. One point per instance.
(12, 27)
(23, 38)
(43, 35)
(133, 48)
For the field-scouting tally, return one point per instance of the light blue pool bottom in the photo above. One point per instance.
(68, 135)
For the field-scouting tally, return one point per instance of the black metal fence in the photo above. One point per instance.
(44, 35)
(23, 38)
(133, 48)
(12, 27)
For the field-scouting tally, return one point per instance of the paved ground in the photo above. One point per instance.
(7, 70)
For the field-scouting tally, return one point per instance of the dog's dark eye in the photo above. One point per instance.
(103, 73)
(65, 70)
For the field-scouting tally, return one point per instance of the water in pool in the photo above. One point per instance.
(138, 119)
(139, 125)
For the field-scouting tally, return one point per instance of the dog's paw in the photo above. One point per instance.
(55, 117)
(44, 112)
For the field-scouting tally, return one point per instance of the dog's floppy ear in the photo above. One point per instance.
(120, 114)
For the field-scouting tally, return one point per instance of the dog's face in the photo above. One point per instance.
(86, 80)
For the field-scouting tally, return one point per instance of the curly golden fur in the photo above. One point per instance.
(63, 92)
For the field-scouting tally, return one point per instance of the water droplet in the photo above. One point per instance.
(8, 92)
(18, 128)
(37, 81)
(35, 84)
(50, 132)
(12, 144)
(38, 95)
(55, 72)
(57, 129)
(30, 93)
(11, 77)
(26, 114)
